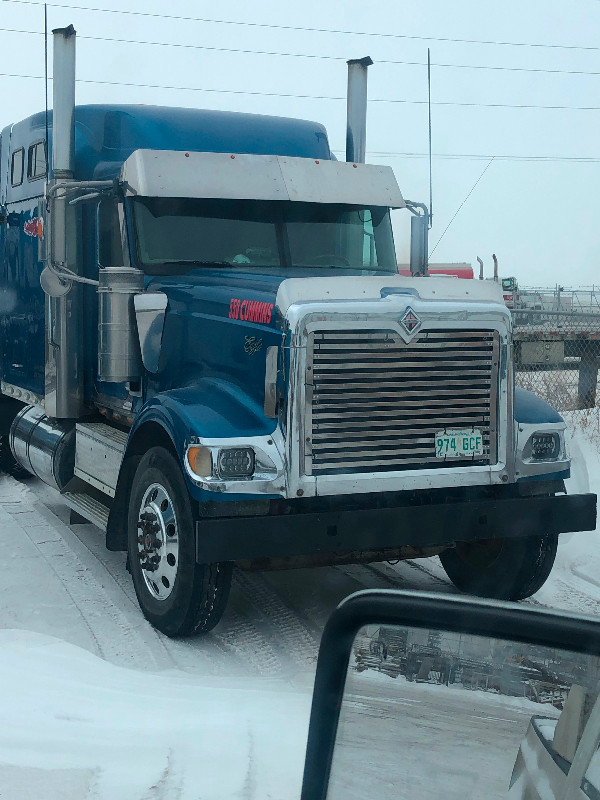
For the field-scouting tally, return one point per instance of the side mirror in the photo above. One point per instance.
(424, 695)
(419, 244)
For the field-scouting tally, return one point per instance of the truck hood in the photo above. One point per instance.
(234, 293)
(371, 287)
(220, 293)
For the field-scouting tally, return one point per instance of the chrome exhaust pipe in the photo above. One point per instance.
(64, 339)
(356, 124)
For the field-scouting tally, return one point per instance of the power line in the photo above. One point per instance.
(305, 29)
(317, 56)
(313, 96)
(462, 204)
(481, 157)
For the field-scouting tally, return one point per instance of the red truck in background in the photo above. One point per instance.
(459, 270)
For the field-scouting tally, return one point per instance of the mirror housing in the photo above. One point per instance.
(419, 244)
(459, 615)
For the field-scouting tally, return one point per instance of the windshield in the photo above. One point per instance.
(175, 235)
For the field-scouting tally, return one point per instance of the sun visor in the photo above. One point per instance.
(170, 173)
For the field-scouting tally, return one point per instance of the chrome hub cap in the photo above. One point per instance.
(158, 541)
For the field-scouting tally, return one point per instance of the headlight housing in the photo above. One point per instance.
(545, 446)
(236, 462)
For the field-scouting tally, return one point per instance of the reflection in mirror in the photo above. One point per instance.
(432, 714)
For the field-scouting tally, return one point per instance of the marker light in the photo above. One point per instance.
(545, 446)
(236, 462)
(200, 461)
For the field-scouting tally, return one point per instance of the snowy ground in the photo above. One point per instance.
(96, 704)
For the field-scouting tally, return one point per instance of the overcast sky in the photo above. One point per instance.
(537, 203)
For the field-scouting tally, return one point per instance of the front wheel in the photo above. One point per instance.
(178, 596)
(504, 569)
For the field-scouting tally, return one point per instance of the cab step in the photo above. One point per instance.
(89, 507)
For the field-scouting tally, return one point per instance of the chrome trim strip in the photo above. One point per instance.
(270, 405)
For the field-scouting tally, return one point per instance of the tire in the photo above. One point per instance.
(9, 464)
(176, 595)
(504, 569)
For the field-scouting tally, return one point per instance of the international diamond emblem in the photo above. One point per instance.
(409, 321)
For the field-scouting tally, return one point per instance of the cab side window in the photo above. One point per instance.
(36, 161)
(16, 168)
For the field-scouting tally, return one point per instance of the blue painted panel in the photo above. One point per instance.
(105, 135)
(218, 326)
(531, 409)
(208, 408)
(22, 330)
(552, 476)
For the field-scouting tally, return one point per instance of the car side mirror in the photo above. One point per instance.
(424, 695)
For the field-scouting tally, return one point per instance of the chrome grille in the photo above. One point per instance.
(375, 403)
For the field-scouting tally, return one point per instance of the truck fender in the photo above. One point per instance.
(210, 408)
(531, 409)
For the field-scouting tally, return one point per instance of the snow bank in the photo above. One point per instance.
(73, 725)
(574, 583)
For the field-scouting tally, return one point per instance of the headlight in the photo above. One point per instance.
(236, 462)
(545, 446)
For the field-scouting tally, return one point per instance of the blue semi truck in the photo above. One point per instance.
(206, 347)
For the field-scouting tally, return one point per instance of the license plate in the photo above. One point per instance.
(458, 443)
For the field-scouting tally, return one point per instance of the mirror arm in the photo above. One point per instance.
(75, 186)
(67, 274)
(419, 210)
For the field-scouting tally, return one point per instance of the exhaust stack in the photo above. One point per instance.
(356, 126)
(64, 323)
(63, 103)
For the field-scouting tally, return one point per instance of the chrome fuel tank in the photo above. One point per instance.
(44, 446)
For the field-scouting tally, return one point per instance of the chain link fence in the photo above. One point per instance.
(557, 354)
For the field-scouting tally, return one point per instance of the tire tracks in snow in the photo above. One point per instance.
(241, 639)
(282, 625)
(567, 596)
